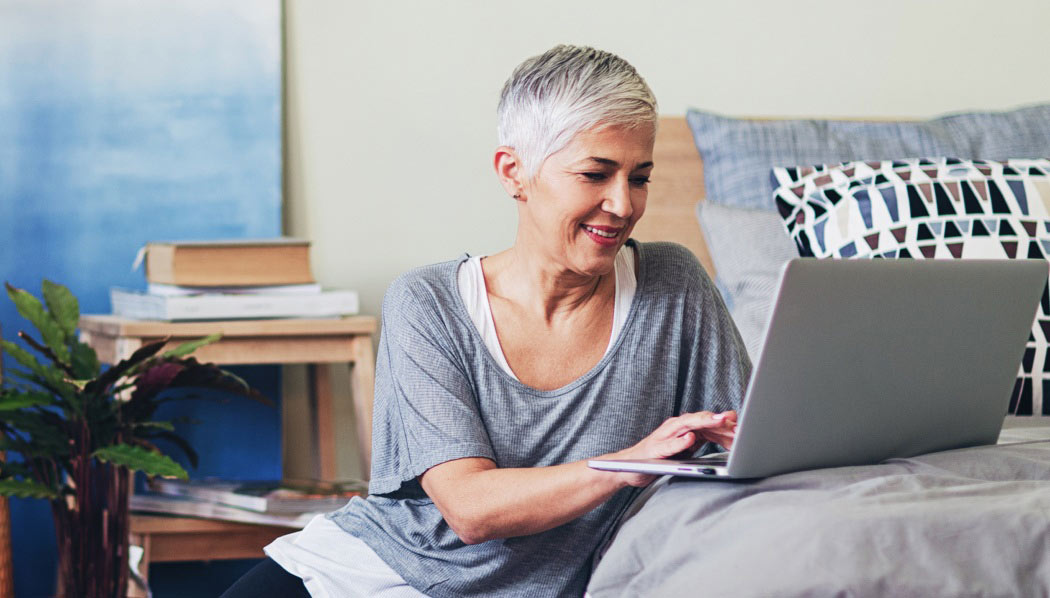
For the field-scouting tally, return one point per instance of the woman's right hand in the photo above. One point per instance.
(679, 436)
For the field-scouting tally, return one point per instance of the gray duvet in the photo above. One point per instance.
(970, 522)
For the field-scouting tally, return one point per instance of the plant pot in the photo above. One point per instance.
(92, 532)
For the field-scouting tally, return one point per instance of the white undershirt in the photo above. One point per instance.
(334, 563)
(475, 297)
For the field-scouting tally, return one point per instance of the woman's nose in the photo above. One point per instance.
(618, 200)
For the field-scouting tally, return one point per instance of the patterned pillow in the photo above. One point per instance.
(930, 208)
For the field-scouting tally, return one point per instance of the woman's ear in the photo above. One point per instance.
(510, 171)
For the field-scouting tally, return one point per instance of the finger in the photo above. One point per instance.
(684, 441)
(729, 422)
(686, 421)
(722, 440)
(712, 424)
(728, 430)
(718, 436)
(729, 417)
(699, 420)
(676, 445)
(696, 420)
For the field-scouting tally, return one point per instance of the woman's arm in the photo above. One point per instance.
(482, 502)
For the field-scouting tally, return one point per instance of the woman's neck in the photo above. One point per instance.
(542, 288)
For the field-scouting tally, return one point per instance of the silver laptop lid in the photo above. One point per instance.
(866, 360)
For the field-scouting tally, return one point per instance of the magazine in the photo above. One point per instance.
(192, 507)
(267, 496)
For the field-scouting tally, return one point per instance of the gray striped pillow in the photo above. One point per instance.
(748, 248)
(739, 153)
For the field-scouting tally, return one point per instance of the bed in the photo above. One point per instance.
(969, 522)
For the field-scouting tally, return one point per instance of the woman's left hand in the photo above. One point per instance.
(678, 437)
(722, 432)
(688, 431)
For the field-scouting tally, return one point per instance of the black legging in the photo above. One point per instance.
(267, 579)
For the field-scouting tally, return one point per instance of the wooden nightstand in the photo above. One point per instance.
(315, 342)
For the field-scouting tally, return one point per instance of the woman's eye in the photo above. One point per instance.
(637, 181)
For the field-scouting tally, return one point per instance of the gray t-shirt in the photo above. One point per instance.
(440, 396)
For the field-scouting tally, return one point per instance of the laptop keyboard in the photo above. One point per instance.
(712, 459)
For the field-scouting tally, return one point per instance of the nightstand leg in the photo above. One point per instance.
(322, 416)
(362, 385)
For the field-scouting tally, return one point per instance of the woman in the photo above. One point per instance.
(499, 376)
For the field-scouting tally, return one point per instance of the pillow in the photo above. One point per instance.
(738, 154)
(930, 208)
(748, 248)
(998, 135)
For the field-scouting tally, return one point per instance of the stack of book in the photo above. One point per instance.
(288, 504)
(231, 279)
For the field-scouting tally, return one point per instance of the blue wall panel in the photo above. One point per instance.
(123, 122)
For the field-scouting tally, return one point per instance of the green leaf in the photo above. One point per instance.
(140, 459)
(50, 330)
(27, 305)
(26, 489)
(180, 442)
(41, 433)
(186, 348)
(63, 307)
(9, 470)
(85, 361)
(243, 387)
(47, 377)
(21, 355)
(46, 352)
(37, 381)
(12, 444)
(12, 400)
(158, 424)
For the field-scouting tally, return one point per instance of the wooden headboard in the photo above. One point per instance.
(677, 183)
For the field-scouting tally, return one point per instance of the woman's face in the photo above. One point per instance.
(583, 203)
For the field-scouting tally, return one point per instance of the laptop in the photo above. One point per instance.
(868, 360)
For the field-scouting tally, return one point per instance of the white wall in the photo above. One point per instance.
(390, 104)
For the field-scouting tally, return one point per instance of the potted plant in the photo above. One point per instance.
(80, 432)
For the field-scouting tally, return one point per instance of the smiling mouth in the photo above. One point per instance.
(606, 233)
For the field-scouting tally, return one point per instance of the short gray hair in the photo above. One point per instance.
(551, 97)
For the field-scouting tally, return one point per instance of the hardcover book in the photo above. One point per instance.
(241, 262)
(159, 288)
